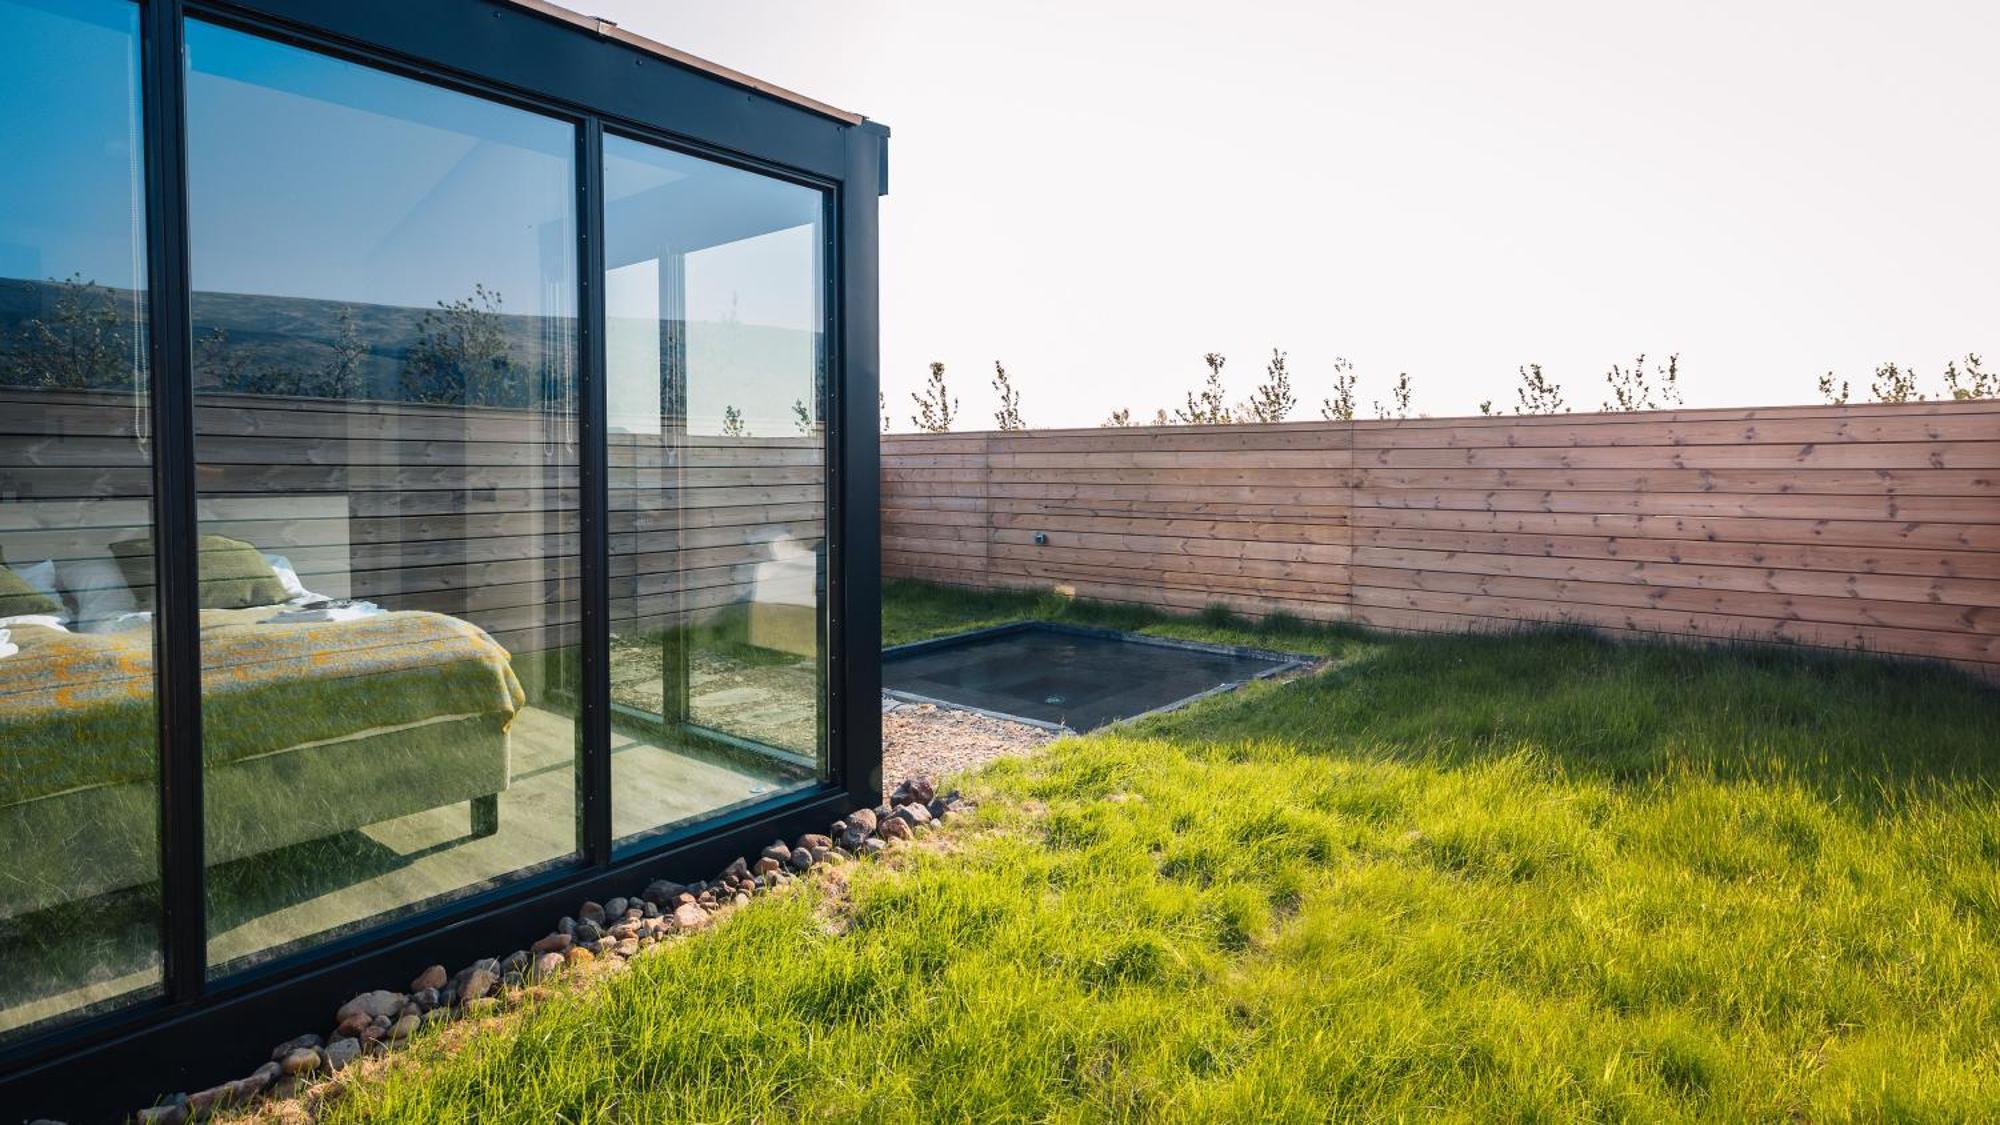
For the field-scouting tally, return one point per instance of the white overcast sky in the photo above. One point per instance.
(1097, 193)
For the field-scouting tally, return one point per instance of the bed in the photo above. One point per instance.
(311, 728)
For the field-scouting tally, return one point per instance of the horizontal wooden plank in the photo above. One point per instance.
(1807, 455)
(1848, 532)
(1753, 606)
(1839, 562)
(1721, 627)
(1830, 482)
(1912, 509)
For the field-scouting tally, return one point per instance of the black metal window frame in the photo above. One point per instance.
(200, 1030)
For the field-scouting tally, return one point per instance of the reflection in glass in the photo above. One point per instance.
(715, 356)
(79, 803)
(385, 376)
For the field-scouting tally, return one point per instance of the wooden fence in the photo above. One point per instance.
(466, 511)
(1874, 527)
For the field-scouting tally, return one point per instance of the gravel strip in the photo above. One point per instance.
(921, 738)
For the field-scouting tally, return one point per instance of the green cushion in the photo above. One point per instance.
(233, 573)
(17, 598)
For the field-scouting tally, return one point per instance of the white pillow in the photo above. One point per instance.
(97, 589)
(288, 577)
(42, 577)
(45, 620)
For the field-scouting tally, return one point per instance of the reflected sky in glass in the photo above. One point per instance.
(338, 182)
(75, 155)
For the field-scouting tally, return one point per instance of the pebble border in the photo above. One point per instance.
(377, 1022)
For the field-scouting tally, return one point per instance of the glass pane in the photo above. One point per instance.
(385, 338)
(79, 795)
(716, 356)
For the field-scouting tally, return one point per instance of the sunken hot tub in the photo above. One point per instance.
(1068, 677)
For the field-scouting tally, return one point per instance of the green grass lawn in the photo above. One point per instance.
(1501, 878)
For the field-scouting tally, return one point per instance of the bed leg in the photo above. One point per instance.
(485, 815)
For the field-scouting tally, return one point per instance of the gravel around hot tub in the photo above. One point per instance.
(923, 738)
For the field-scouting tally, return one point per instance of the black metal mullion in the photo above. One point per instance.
(176, 616)
(834, 425)
(856, 586)
(593, 503)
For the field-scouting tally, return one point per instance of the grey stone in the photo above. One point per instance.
(615, 908)
(201, 1103)
(426, 999)
(777, 850)
(661, 892)
(566, 926)
(802, 859)
(917, 815)
(853, 838)
(305, 1060)
(379, 1004)
(340, 1052)
(588, 931)
(171, 1112)
(874, 845)
(406, 1026)
(516, 962)
(737, 868)
(477, 984)
(919, 789)
(864, 819)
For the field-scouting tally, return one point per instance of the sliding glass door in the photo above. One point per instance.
(385, 368)
(715, 380)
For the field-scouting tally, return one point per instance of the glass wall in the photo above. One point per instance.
(715, 384)
(385, 370)
(385, 362)
(79, 821)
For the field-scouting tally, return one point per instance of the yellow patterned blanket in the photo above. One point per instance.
(77, 709)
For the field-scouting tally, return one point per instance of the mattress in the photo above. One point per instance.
(76, 710)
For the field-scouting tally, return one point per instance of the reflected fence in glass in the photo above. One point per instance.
(79, 765)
